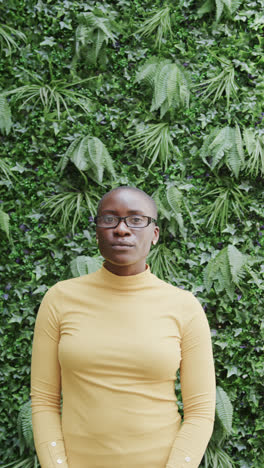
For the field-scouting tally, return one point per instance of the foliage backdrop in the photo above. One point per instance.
(166, 96)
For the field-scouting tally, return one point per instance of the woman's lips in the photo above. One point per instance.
(122, 246)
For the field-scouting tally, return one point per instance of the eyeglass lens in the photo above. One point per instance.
(131, 221)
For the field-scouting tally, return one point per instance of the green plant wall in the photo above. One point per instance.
(166, 96)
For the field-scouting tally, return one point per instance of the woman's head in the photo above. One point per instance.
(125, 247)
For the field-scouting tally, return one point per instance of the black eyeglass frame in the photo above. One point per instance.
(120, 218)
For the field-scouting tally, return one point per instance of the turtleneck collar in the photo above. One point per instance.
(125, 283)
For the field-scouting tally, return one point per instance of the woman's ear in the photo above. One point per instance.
(155, 235)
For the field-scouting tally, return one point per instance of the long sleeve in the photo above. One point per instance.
(46, 387)
(119, 406)
(198, 393)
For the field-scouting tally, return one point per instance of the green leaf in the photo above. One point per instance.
(91, 34)
(89, 154)
(254, 142)
(237, 261)
(224, 408)
(232, 370)
(84, 265)
(158, 24)
(4, 222)
(224, 146)
(7, 37)
(5, 116)
(48, 41)
(154, 142)
(169, 81)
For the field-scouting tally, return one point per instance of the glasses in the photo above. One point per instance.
(133, 221)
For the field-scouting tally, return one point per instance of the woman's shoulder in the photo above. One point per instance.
(182, 299)
(69, 285)
(180, 291)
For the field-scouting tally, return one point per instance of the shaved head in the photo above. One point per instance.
(152, 204)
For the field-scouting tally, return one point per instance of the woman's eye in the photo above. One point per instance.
(108, 219)
(136, 219)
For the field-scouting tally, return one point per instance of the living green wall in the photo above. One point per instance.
(201, 76)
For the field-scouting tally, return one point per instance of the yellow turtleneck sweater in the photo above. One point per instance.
(113, 344)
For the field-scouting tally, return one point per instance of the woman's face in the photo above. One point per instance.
(125, 249)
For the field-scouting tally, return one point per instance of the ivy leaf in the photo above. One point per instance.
(231, 370)
(41, 289)
(48, 41)
(16, 319)
(83, 265)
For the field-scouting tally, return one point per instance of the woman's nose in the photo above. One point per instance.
(122, 228)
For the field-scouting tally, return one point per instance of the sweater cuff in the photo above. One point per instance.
(186, 463)
(52, 454)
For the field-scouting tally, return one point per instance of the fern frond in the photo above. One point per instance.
(89, 154)
(159, 23)
(215, 456)
(174, 198)
(230, 6)
(70, 206)
(82, 37)
(163, 208)
(4, 222)
(255, 148)
(208, 275)
(93, 31)
(96, 152)
(55, 94)
(206, 7)
(227, 201)
(205, 151)
(219, 9)
(226, 270)
(237, 261)
(94, 22)
(5, 116)
(68, 154)
(224, 146)
(79, 154)
(235, 157)
(224, 82)
(162, 262)
(177, 85)
(224, 409)
(154, 142)
(169, 82)
(148, 71)
(24, 426)
(160, 86)
(171, 206)
(217, 272)
(99, 39)
(6, 170)
(172, 85)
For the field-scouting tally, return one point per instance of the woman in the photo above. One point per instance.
(112, 342)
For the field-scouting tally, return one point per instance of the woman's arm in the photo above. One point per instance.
(198, 392)
(46, 386)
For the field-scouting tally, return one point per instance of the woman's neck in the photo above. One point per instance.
(126, 270)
